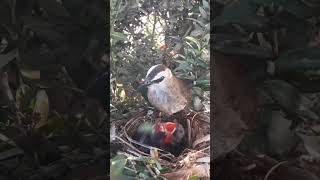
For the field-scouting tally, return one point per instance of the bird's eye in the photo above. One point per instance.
(158, 80)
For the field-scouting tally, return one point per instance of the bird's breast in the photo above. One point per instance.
(166, 99)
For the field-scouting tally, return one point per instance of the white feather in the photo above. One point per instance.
(151, 69)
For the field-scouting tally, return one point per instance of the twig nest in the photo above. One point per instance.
(196, 136)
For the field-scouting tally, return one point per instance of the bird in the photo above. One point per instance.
(168, 136)
(164, 91)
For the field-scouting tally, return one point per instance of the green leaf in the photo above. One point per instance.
(203, 81)
(299, 64)
(159, 166)
(184, 67)
(241, 12)
(197, 91)
(201, 63)
(192, 39)
(117, 165)
(203, 12)
(194, 178)
(286, 95)
(205, 5)
(6, 58)
(117, 36)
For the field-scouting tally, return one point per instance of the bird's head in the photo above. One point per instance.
(157, 75)
(173, 133)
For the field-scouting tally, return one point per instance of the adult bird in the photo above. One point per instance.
(164, 91)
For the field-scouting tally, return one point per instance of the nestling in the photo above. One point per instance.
(164, 91)
(167, 136)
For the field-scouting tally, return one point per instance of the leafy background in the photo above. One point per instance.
(144, 33)
(54, 69)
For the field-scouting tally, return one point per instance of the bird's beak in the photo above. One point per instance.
(146, 82)
(142, 88)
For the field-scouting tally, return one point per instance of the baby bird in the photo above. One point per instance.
(167, 136)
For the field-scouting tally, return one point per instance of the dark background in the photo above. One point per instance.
(54, 103)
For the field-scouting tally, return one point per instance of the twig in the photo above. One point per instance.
(151, 171)
(129, 169)
(130, 122)
(189, 132)
(131, 146)
(154, 26)
(273, 168)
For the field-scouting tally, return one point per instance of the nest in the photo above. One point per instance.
(197, 132)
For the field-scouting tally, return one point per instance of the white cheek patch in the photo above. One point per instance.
(159, 75)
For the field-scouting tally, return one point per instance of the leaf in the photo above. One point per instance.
(30, 74)
(117, 165)
(196, 20)
(10, 153)
(6, 58)
(20, 93)
(117, 36)
(312, 144)
(203, 12)
(184, 66)
(197, 104)
(112, 132)
(197, 91)
(241, 12)
(299, 64)
(203, 80)
(205, 5)
(41, 107)
(194, 40)
(197, 32)
(281, 139)
(5, 139)
(201, 63)
(233, 45)
(286, 95)
(194, 178)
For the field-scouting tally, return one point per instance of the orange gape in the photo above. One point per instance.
(169, 128)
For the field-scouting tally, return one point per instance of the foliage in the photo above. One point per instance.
(129, 167)
(280, 39)
(148, 32)
(145, 33)
(53, 70)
